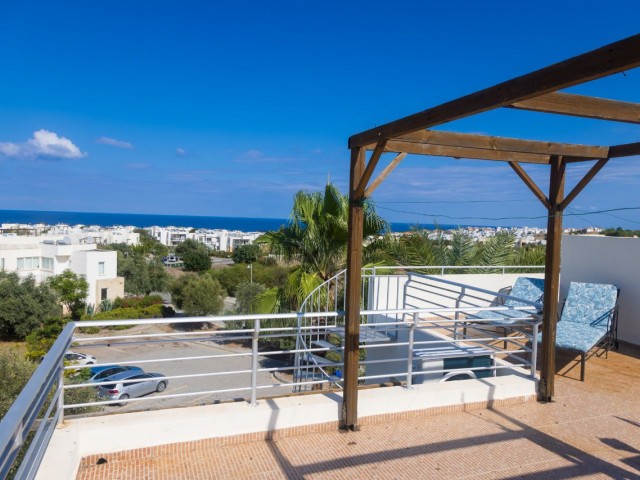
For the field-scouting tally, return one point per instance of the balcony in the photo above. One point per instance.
(228, 391)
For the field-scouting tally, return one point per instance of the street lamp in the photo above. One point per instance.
(250, 267)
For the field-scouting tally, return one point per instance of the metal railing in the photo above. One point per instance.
(419, 331)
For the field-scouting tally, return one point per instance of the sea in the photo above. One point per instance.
(243, 224)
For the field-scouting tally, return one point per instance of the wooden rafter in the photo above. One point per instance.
(613, 58)
(582, 106)
(506, 144)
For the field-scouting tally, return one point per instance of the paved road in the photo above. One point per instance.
(130, 350)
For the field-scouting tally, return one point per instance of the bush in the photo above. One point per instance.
(130, 313)
(137, 302)
(24, 306)
(40, 340)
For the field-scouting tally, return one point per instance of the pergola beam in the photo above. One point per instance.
(464, 152)
(503, 143)
(582, 106)
(613, 58)
(625, 150)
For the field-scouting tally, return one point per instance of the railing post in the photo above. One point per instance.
(412, 329)
(254, 362)
(457, 314)
(61, 395)
(534, 350)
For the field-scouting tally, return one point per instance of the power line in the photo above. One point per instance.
(447, 202)
(541, 217)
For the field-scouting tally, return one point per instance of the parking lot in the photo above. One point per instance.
(169, 358)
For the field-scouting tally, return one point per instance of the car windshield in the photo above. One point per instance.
(111, 386)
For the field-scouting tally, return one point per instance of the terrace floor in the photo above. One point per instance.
(591, 430)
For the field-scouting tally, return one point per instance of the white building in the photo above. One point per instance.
(219, 240)
(43, 257)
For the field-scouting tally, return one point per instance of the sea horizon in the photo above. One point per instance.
(145, 220)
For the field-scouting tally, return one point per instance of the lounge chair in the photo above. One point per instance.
(588, 319)
(526, 292)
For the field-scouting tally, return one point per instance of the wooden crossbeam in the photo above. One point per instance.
(384, 174)
(613, 58)
(626, 150)
(464, 152)
(582, 106)
(506, 144)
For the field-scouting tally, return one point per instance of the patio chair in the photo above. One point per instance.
(588, 320)
(524, 288)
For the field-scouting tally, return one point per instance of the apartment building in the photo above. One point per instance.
(43, 257)
(219, 240)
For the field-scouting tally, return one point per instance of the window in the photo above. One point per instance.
(104, 293)
(47, 263)
(28, 263)
(100, 268)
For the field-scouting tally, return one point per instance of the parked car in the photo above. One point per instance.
(77, 358)
(146, 383)
(99, 374)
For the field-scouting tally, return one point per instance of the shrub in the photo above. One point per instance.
(137, 302)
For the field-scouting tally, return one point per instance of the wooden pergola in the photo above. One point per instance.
(537, 91)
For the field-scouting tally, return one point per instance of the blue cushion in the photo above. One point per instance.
(576, 336)
(505, 317)
(589, 304)
(526, 288)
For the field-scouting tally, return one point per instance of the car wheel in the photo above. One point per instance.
(90, 363)
(124, 396)
(161, 386)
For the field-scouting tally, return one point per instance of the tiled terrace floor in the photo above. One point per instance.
(592, 430)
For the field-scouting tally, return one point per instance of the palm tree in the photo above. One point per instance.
(316, 239)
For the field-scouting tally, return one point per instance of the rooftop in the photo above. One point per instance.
(591, 429)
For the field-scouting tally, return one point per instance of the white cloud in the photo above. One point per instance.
(114, 143)
(43, 143)
(181, 151)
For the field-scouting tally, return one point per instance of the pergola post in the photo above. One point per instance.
(552, 278)
(354, 281)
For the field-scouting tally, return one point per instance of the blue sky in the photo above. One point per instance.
(228, 109)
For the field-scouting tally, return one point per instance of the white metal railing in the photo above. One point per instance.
(41, 405)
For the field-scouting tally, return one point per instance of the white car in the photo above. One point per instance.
(77, 358)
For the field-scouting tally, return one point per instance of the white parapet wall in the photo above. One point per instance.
(387, 291)
(597, 259)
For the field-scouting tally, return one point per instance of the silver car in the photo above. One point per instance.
(137, 385)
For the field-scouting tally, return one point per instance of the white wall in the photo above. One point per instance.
(388, 290)
(597, 259)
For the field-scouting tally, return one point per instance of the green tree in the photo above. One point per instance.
(195, 256)
(72, 290)
(198, 295)
(142, 276)
(24, 306)
(246, 296)
(316, 237)
(149, 245)
(246, 253)
(15, 372)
